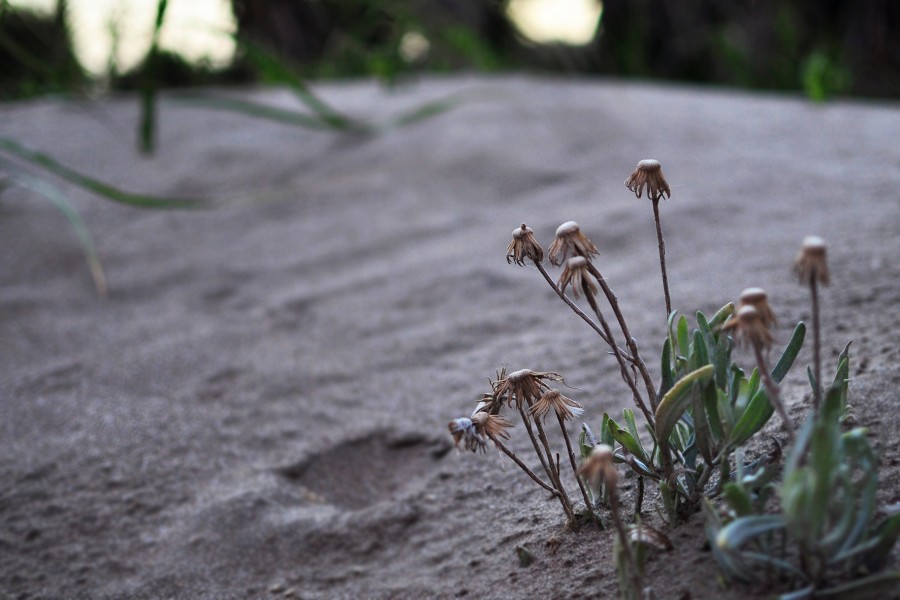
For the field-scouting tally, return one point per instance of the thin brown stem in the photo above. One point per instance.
(523, 466)
(584, 494)
(626, 543)
(549, 468)
(662, 256)
(554, 467)
(537, 449)
(629, 341)
(817, 357)
(772, 389)
(579, 312)
(623, 368)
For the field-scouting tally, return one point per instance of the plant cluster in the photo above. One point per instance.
(699, 418)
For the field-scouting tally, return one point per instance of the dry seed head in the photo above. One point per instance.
(570, 241)
(491, 426)
(524, 387)
(577, 275)
(811, 264)
(597, 464)
(522, 246)
(648, 174)
(749, 327)
(464, 431)
(758, 299)
(561, 405)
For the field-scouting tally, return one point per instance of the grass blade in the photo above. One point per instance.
(93, 185)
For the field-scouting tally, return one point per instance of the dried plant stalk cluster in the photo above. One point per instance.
(699, 415)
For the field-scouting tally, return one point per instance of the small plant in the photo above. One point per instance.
(698, 420)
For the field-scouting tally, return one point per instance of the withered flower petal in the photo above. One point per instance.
(599, 464)
(555, 401)
(524, 387)
(464, 431)
(570, 241)
(522, 246)
(491, 426)
(749, 327)
(811, 263)
(576, 274)
(758, 299)
(648, 174)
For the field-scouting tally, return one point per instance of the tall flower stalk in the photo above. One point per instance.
(812, 268)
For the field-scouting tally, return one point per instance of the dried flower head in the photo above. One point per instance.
(522, 246)
(600, 465)
(570, 242)
(491, 426)
(811, 264)
(749, 327)
(758, 299)
(561, 405)
(648, 174)
(577, 275)
(524, 387)
(464, 431)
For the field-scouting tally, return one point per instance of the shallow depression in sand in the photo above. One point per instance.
(361, 472)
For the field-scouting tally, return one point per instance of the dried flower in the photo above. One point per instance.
(464, 430)
(811, 264)
(525, 386)
(491, 426)
(570, 241)
(522, 246)
(600, 465)
(648, 174)
(758, 299)
(749, 327)
(565, 407)
(576, 273)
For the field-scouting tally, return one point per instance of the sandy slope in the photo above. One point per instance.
(263, 400)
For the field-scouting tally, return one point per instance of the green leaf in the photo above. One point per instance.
(630, 424)
(720, 359)
(668, 377)
(790, 353)
(754, 417)
(676, 401)
(705, 443)
(700, 356)
(886, 534)
(738, 499)
(683, 340)
(740, 531)
(627, 440)
(606, 436)
(711, 408)
(721, 316)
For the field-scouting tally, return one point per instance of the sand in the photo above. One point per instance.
(259, 409)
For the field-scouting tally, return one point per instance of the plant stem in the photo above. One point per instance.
(626, 543)
(662, 256)
(522, 466)
(629, 341)
(584, 494)
(817, 357)
(555, 469)
(578, 311)
(622, 366)
(639, 502)
(772, 389)
(561, 493)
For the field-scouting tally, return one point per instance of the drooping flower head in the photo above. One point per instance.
(749, 327)
(522, 246)
(648, 174)
(811, 264)
(758, 299)
(524, 387)
(577, 275)
(491, 426)
(599, 466)
(570, 241)
(565, 407)
(465, 432)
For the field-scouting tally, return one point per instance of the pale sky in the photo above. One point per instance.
(195, 28)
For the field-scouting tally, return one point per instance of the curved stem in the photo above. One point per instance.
(772, 389)
(584, 494)
(817, 357)
(522, 465)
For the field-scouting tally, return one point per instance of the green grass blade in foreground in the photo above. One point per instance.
(93, 185)
(147, 125)
(879, 585)
(252, 109)
(677, 400)
(742, 530)
(58, 200)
